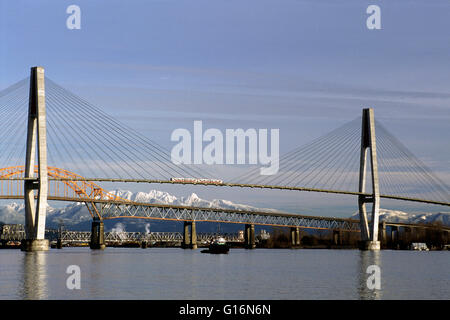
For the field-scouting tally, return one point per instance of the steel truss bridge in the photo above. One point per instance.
(68, 186)
(17, 233)
(126, 237)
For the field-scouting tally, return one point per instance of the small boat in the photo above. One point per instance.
(419, 246)
(218, 245)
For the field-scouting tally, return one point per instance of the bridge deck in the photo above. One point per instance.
(251, 186)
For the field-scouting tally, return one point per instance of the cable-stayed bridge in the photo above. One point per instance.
(77, 146)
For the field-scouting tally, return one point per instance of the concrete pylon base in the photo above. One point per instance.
(97, 246)
(370, 245)
(34, 245)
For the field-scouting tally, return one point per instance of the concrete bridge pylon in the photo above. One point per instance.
(35, 211)
(369, 231)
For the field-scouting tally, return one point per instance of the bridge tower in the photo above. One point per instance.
(35, 213)
(369, 231)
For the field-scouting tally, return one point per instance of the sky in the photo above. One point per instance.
(304, 67)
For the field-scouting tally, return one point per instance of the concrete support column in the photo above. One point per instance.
(394, 236)
(292, 236)
(35, 212)
(337, 237)
(407, 237)
(246, 235)
(189, 238)
(295, 236)
(249, 236)
(193, 244)
(413, 235)
(418, 234)
(383, 233)
(186, 241)
(97, 235)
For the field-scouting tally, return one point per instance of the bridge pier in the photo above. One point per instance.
(97, 235)
(407, 237)
(185, 243)
(35, 212)
(394, 236)
(189, 238)
(295, 236)
(337, 237)
(369, 231)
(383, 234)
(249, 236)
(193, 243)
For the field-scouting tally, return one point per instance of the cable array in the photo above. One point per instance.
(13, 117)
(402, 173)
(332, 162)
(84, 139)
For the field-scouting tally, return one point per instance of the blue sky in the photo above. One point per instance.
(305, 67)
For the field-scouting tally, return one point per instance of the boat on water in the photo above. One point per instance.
(218, 245)
(419, 246)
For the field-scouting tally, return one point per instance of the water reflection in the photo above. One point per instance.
(34, 276)
(366, 259)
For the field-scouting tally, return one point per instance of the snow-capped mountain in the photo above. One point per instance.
(400, 216)
(77, 213)
(193, 200)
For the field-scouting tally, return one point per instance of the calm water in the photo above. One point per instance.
(172, 273)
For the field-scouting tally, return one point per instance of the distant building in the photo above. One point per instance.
(264, 235)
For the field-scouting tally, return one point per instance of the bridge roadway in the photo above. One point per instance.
(242, 185)
(114, 209)
(121, 208)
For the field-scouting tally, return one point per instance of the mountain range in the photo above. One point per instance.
(75, 216)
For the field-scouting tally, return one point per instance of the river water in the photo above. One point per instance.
(173, 273)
